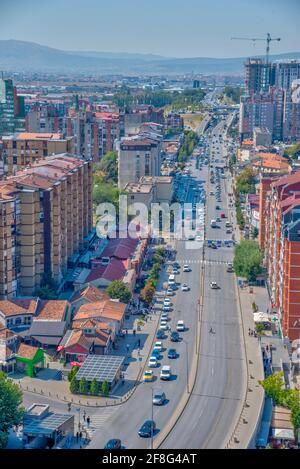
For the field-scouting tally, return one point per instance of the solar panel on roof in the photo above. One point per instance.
(100, 367)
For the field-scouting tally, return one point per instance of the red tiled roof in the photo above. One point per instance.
(101, 309)
(18, 306)
(89, 293)
(115, 270)
(26, 351)
(51, 310)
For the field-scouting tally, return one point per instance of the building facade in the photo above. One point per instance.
(45, 215)
(279, 240)
(23, 149)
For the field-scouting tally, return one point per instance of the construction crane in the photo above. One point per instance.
(268, 39)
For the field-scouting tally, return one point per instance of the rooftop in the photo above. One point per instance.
(101, 367)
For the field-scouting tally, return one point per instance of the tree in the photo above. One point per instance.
(118, 290)
(293, 151)
(82, 386)
(245, 182)
(259, 328)
(11, 411)
(105, 388)
(94, 388)
(273, 387)
(72, 373)
(74, 385)
(147, 293)
(289, 398)
(233, 93)
(247, 259)
(109, 166)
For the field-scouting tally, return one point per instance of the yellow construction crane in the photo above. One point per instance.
(268, 39)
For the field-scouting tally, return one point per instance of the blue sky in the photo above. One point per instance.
(178, 28)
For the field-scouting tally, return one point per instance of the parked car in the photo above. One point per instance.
(158, 345)
(160, 334)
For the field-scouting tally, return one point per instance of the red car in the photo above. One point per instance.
(223, 215)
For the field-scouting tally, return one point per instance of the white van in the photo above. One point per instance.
(213, 223)
(165, 373)
(171, 280)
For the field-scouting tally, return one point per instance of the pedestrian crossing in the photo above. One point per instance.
(201, 261)
(98, 420)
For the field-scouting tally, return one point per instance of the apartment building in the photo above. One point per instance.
(280, 241)
(45, 216)
(174, 121)
(25, 148)
(258, 76)
(95, 133)
(139, 115)
(256, 111)
(138, 156)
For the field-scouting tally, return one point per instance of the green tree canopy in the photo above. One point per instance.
(82, 386)
(293, 151)
(105, 388)
(74, 385)
(245, 182)
(233, 93)
(109, 166)
(73, 372)
(118, 290)
(247, 259)
(11, 411)
(94, 388)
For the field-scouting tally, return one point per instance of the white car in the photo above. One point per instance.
(166, 308)
(214, 285)
(186, 268)
(167, 302)
(152, 363)
(158, 346)
(165, 373)
(184, 287)
(170, 292)
(180, 327)
(163, 325)
(164, 317)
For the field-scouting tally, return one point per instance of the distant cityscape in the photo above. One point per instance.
(169, 339)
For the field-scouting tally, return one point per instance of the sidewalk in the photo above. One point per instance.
(245, 431)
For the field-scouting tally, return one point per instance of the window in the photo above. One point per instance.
(147, 164)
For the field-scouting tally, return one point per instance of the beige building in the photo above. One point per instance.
(45, 215)
(23, 149)
(138, 156)
(150, 189)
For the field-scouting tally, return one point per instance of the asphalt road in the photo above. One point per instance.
(214, 405)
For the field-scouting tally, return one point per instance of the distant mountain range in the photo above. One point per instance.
(29, 56)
